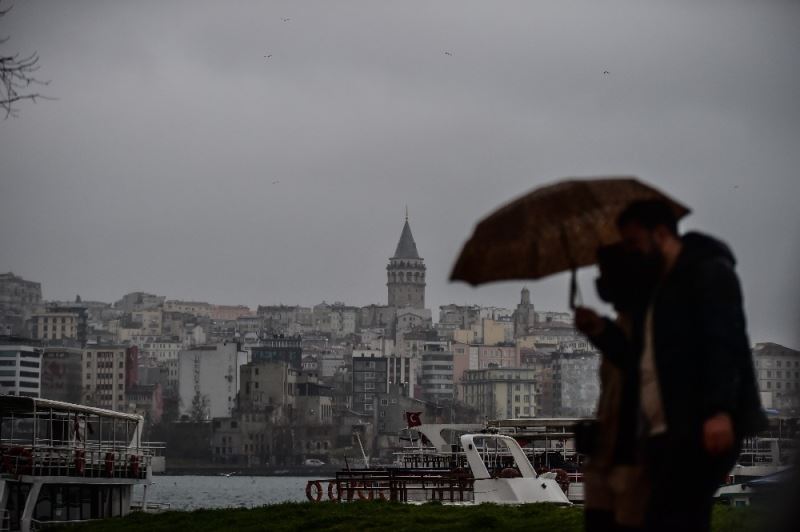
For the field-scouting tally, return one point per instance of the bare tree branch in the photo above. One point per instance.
(17, 76)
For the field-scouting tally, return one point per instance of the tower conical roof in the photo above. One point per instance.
(406, 247)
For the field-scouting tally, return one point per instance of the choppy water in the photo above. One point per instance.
(194, 492)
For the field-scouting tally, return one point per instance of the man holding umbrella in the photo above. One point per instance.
(697, 390)
(689, 356)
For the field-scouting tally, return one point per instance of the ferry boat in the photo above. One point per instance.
(761, 458)
(62, 462)
(485, 466)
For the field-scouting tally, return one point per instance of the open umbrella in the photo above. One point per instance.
(551, 229)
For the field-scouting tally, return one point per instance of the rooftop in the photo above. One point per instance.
(406, 247)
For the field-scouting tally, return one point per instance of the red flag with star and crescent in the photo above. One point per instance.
(413, 419)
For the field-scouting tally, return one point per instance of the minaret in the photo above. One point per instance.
(406, 272)
(524, 315)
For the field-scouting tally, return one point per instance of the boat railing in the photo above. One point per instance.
(85, 460)
(153, 448)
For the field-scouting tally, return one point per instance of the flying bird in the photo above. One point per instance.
(275, 182)
(449, 53)
(268, 56)
(286, 19)
(606, 72)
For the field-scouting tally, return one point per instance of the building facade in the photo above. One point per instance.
(370, 377)
(61, 325)
(279, 348)
(778, 373)
(501, 393)
(208, 380)
(20, 367)
(61, 374)
(104, 376)
(18, 298)
(437, 372)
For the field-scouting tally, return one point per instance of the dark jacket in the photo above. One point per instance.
(702, 351)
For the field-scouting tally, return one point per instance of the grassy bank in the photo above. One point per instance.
(363, 516)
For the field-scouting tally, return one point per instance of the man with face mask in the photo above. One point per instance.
(697, 393)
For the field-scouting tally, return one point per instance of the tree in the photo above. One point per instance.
(199, 408)
(17, 77)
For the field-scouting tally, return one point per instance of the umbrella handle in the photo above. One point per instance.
(575, 299)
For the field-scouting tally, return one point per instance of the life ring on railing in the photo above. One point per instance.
(562, 479)
(18, 461)
(462, 476)
(316, 497)
(360, 493)
(80, 461)
(8, 464)
(338, 495)
(510, 472)
(134, 460)
(109, 464)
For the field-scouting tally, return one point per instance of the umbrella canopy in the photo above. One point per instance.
(551, 229)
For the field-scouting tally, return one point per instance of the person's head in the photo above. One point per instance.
(650, 227)
(622, 283)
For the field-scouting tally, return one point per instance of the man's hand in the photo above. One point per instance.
(589, 322)
(718, 434)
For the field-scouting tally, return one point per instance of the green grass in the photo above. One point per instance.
(384, 516)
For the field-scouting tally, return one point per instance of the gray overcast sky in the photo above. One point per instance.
(179, 160)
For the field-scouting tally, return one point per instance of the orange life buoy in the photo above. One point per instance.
(360, 493)
(109, 462)
(318, 489)
(80, 461)
(510, 472)
(18, 461)
(338, 495)
(562, 479)
(8, 463)
(134, 465)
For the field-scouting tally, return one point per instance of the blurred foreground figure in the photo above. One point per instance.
(616, 487)
(697, 393)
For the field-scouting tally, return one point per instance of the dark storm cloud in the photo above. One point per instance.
(178, 159)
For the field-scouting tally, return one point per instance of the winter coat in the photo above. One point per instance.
(702, 352)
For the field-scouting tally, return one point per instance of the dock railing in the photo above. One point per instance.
(396, 485)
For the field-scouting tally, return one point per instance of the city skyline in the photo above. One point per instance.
(178, 159)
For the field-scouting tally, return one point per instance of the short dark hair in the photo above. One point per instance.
(649, 214)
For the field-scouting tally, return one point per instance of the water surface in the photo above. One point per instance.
(191, 492)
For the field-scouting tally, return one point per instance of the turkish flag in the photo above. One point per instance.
(413, 419)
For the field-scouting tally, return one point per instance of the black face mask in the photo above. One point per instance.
(648, 268)
(628, 279)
